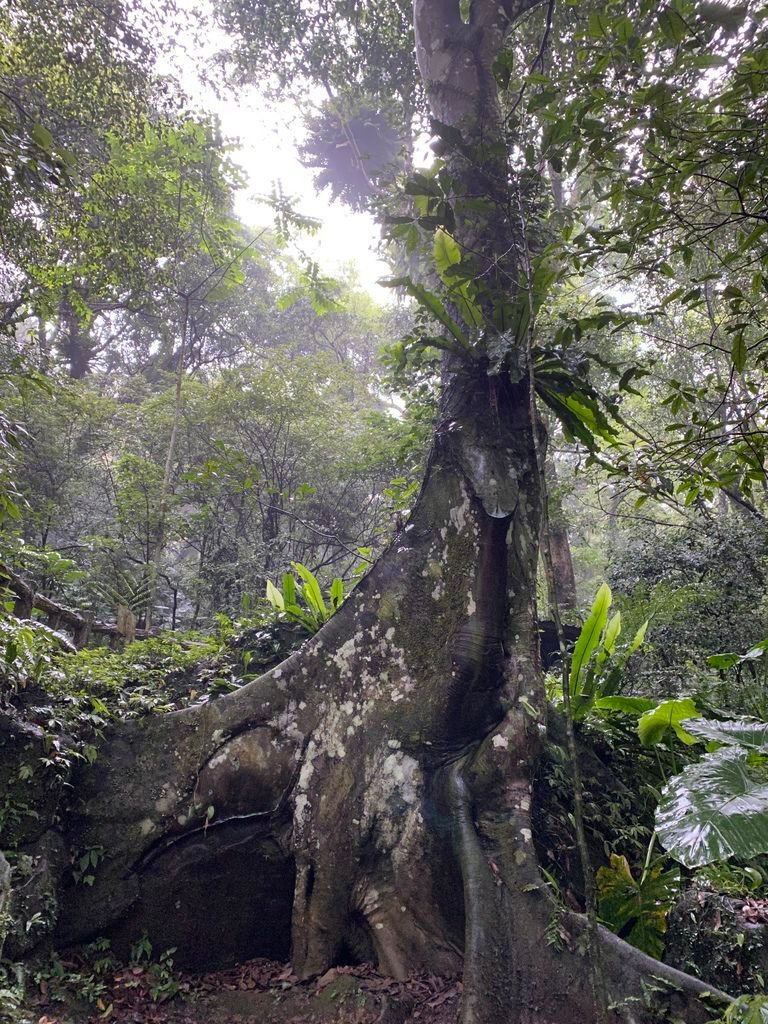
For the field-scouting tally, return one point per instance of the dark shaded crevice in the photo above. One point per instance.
(357, 946)
(163, 845)
(309, 882)
(220, 898)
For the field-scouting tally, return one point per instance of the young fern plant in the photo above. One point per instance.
(313, 611)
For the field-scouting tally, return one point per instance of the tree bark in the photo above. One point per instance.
(561, 581)
(76, 348)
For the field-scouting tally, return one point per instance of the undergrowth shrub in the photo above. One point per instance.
(703, 588)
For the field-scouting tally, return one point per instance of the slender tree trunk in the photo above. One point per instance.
(158, 545)
(561, 579)
(77, 351)
(613, 513)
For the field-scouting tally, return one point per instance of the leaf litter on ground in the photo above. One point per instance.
(268, 992)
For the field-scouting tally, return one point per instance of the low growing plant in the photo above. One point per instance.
(313, 611)
(597, 662)
(29, 653)
(746, 1010)
(636, 908)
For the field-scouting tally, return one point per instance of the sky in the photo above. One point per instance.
(266, 137)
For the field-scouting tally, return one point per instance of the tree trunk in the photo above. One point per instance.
(561, 582)
(379, 780)
(76, 345)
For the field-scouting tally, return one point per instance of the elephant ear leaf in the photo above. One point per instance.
(715, 809)
(670, 714)
(740, 732)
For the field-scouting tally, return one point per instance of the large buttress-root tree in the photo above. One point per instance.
(379, 780)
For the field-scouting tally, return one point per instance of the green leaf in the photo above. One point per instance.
(589, 412)
(626, 705)
(304, 618)
(589, 637)
(598, 25)
(654, 724)
(446, 251)
(672, 26)
(637, 909)
(723, 661)
(447, 254)
(639, 639)
(747, 1010)
(739, 352)
(757, 651)
(311, 590)
(289, 588)
(42, 137)
(728, 659)
(573, 426)
(715, 809)
(432, 304)
(450, 135)
(731, 291)
(612, 631)
(624, 29)
(420, 185)
(742, 732)
(274, 597)
(336, 594)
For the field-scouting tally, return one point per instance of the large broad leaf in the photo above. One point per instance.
(728, 660)
(740, 733)
(447, 254)
(625, 705)
(311, 591)
(714, 810)
(274, 597)
(637, 909)
(654, 724)
(589, 637)
(289, 588)
(446, 250)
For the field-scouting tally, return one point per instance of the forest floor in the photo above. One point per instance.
(257, 992)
